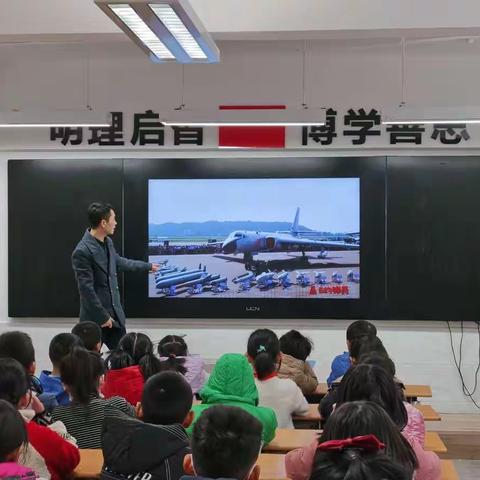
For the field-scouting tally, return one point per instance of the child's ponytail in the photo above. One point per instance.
(135, 349)
(264, 349)
(170, 349)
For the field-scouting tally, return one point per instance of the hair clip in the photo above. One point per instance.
(261, 348)
(368, 443)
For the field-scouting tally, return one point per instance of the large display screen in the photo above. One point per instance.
(296, 238)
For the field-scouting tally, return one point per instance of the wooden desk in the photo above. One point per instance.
(433, 443)
(448, 470)
(411, 391)
(313, 415)
(272, 467)
(91, 463)
(287, 439)
(428, 412)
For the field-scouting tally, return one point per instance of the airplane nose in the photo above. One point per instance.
(229, 246)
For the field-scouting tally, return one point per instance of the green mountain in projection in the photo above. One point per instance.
(216, 229)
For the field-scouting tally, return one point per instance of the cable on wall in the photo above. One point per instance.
(458, 362)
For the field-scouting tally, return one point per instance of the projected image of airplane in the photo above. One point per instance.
(250, 242)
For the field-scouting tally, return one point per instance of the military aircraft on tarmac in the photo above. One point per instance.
(250, 242)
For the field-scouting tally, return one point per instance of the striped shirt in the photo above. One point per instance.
(85, 422)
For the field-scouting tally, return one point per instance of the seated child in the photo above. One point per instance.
(90, 334)
(282, 395)
(373, 383)
(81, 372)
(156, 444)
(232, 383)
(355, 457)
(226, 442)
(341, 363)
(47, 453)
(129, 366)
(416, 423)
(295, 350)
(60, 346)
(18, 345)
(173, 352)
(13, 439)
(351, 420)
(358, 347)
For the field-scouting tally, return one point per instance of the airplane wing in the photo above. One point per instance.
(326, 244)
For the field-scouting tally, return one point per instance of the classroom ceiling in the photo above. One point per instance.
(82, 20)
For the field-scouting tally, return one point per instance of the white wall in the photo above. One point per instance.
(337, 73)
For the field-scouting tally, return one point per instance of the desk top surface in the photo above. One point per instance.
(410, 390)
(272, 466)
(313, 415)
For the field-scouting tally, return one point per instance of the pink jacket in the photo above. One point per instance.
(416, 424)
(13, 470)
(299, 462)
(196, 375)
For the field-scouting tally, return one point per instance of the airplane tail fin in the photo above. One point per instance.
(295, 222)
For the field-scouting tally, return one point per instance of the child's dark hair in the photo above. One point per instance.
(296, 345)
(171, 347)
(375, 358)
(17, 345)
(90, 334)
(80, 371)
(263, 347)
(361, 328)
(363, 345)
(373, 383)
(167, 398)
(134, 349)
(13, 431)
(363, 418)
(14, 382)
(225, 442)
(357, 464)
(61, 345)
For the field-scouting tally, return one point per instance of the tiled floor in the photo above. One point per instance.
(468, 469)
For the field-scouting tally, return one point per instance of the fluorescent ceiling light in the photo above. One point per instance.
(430, 115)
(139, 28)
(37, 119)
(166, 30)
(245, 118)
(170, 19)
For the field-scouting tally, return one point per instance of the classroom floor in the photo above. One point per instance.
(468, 469)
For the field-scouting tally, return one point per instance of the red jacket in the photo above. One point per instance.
(125, 382)
(60, 456)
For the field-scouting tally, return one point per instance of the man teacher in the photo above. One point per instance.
(96, 263)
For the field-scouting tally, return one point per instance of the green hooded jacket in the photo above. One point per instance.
(232, 383)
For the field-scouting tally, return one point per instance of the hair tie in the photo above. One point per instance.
(172, 355)
(261, 348)
(135, 344)
(367, 443)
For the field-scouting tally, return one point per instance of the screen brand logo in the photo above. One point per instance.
(252, 309)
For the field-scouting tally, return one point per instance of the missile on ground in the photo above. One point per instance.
(179, 279)
(243, 278)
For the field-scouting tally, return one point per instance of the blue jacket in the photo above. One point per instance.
(53, 385)
(340, 365)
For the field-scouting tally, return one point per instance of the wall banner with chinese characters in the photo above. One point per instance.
(346, 128)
